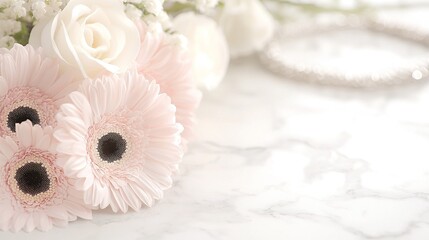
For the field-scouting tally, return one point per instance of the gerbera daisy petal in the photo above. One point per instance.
(75, 208)
(104, 134)
(7, 149)
(168, 63)
(141, 194)
(113, 203)
(34, 191)
(18, 222)
(5, 217)
(30, 226)
(25, 134)
(120, 200)
(131, 199)
(55, 212)
(151, 186)
(44, 223)
(91, 195)
(85, 183)
(3, 86)
(84, 107)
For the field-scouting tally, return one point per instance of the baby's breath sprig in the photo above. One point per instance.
(18, 17)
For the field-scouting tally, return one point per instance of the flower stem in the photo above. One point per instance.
(23, 36)
(179, 7)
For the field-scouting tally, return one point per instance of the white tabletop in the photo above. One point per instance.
(280, 159)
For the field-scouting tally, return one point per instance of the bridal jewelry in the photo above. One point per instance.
(272, 58)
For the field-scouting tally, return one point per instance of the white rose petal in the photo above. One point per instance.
(247, 25)
(90, 36)
(208, 48)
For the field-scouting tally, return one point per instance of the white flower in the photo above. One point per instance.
(133, 12)
(203, 5)
(200, 5)
(18, 8)
(39, 9)
(162, 18)
(93, 36)
(153, 6)
(6, 42)
(165, 20)
(247, 25)
(207, 46)
(9, 27)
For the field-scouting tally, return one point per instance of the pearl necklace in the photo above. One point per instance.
(272, 59)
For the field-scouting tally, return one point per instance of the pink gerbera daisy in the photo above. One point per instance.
(120, 139)
(164, 60)
(34, 192)
(31, 88)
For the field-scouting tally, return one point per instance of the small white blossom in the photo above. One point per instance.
(9, 27)
(200, 5)
(153, 23)
(203, 5)
(54, 6)
(165, 20)
(6, 42)
(177, 39)
(133, 12)
(153, 6)
(14, 13)
(133, 1)
(18, 9)
(39, 9)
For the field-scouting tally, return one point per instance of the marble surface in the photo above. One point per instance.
(279, 159)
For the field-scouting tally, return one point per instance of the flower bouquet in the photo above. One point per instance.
(97, 105)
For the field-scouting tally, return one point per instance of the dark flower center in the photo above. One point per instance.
(111, 147)
(32, 178)
(22, 114)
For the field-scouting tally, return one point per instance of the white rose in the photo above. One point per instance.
(247, 25)
(92, 36)
(208, 48)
